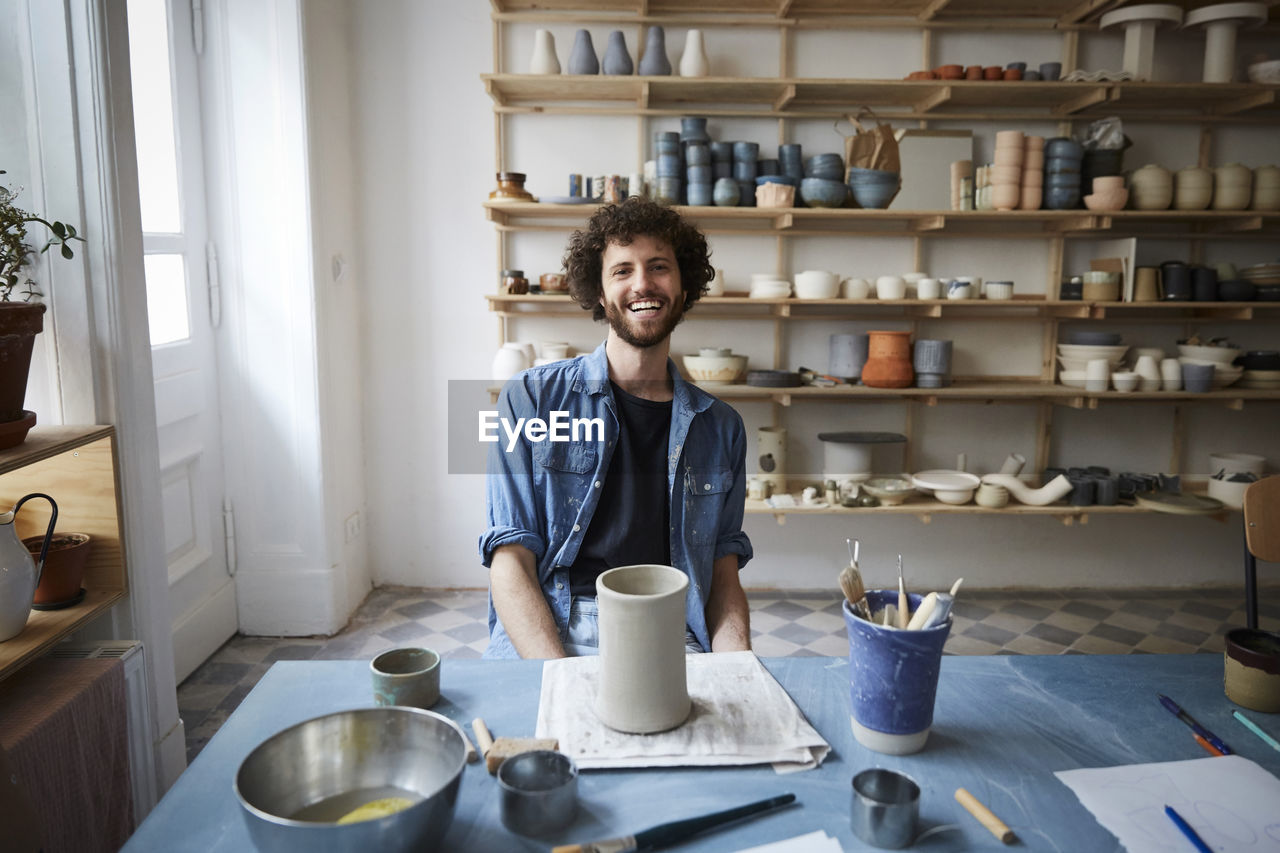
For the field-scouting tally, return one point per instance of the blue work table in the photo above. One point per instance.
(1002, 725)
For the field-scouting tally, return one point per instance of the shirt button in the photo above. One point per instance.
(559, 585)
(597, 484)
(706, 486)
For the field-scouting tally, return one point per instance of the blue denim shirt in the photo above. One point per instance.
(542, 495)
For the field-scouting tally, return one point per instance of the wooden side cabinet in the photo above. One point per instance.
(76, 466)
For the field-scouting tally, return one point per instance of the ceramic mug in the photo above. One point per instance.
(891, 287)
(1146, 284)
(959, 289)
(928, 288)
(855, 288)
(715, 287)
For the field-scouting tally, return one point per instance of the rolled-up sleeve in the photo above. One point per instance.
(514, 516)
(730, 537)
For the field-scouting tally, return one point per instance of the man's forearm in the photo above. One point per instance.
(728, 621)
(518, 600)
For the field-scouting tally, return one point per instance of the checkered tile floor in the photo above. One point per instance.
(453, 623)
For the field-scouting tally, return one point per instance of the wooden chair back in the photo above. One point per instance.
(1262, 519)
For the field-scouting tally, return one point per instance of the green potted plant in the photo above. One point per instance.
(21, 314)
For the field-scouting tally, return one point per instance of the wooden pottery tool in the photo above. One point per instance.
(985, 816)
(923, 612)
(666, 834)
(851, 583)
(904, 603)
(497, 751)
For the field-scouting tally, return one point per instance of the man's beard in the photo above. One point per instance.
(620, 323)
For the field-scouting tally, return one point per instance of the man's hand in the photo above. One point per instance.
(728, 621)
(518, 600)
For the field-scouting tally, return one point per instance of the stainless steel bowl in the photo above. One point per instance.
(295, 785)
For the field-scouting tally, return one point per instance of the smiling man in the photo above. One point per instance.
(665, 482)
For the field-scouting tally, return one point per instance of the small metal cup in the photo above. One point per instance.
(886, 807)
(539, 792)
(408, 676)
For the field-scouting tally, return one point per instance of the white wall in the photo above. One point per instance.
(426, 163)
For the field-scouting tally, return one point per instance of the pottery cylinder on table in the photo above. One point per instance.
(888, 360)
(642, 686)
(617, 60)
(771, 449)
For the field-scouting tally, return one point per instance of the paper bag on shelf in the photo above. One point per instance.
(873, 144)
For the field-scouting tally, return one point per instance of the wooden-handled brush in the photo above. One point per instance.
(851, 582)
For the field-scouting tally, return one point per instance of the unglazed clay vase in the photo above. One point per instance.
(582, 59)
(544, 59)
(642, 686)
(693, 62)
(654, 62)
(617, 60)
(888, 360)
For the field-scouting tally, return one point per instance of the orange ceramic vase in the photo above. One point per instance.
(888, 360)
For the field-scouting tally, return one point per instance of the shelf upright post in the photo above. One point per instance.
(1044, 434)
(1176, 461)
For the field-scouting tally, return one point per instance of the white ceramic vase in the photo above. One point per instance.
(544, 59)
(642, 687)
(1056, 489)
(693, 62)
(509, 361)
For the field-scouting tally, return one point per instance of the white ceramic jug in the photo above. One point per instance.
(643, 686)
(19, 574)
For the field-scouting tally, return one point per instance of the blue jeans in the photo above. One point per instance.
(584, 629)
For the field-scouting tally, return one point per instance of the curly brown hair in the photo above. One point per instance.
(621, 224)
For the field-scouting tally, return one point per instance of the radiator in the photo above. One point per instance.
(142, 762)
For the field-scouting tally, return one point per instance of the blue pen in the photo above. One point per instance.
(1187, 830)
(1177, 711)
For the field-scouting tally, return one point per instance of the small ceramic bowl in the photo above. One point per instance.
(1108, 200)
(1125, 381)
(892, 491)
(717, 369)
(822, 192)
(999, 290)
(1061, 146)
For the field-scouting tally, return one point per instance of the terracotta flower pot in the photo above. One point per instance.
(888, 360)
(63, 566)
(20, 322)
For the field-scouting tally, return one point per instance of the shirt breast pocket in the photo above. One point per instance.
(705, 491)
(568, 457)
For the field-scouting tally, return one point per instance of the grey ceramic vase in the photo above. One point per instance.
(582, 59)
(654, 62)
(846, 355)
(932, 357)
(617, 60)
(726, 192)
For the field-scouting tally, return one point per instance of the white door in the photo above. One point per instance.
(183, 310)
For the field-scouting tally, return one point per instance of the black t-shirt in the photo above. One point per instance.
(630, 524)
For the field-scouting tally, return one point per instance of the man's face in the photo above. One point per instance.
(642, 296)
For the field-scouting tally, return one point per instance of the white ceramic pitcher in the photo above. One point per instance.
(19, 574)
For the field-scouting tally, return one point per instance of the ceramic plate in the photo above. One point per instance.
(948, 481)
(1181, 504)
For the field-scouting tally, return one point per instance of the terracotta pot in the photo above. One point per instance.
(993, 72)
(20, 322)
(950, 72)
(64, 565)
(973, 72)
(888, 360)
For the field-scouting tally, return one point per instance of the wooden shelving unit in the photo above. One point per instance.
(787, 98)
(76, 465)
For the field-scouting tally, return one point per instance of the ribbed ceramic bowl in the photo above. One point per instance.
(1219, 355)
(716, 369)
(295, 786)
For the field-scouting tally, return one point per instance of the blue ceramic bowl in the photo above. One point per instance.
(747, 193)
(699, 194)
(768, 167)
(1069, 179)
(697, 154)
(721, 152)
(725, 192)
(744, 171)
(874, 196)
(1061, 146)
(1096, 339)
(698, 174)
(669, 136)
(1061, 166)
(820, 192)
(790, 152)
(668, 166)
(777, 179)
(746, 151)
(1021, 66)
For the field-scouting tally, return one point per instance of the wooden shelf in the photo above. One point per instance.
(893, 100)
(76, 465)
(925, 508)
(802, 221)
(1056, 14)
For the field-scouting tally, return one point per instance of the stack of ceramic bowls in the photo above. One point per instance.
(1076, 357)
(1266, 188)
(1151, 188)
(823, 183)
(698, 173)
(1192, 188)
(874, 188)
(666, 146)
(766, 285)
(1108, 193)
(1062, 158)
(721, 160)
(1232, 187)
(1261, 370)
(1032, 172)
(1266, 279)
(1006, 172)
(745, 157)
(1220, 358)
(1101, 162)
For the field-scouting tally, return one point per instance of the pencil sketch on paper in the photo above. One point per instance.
(1230, 801)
